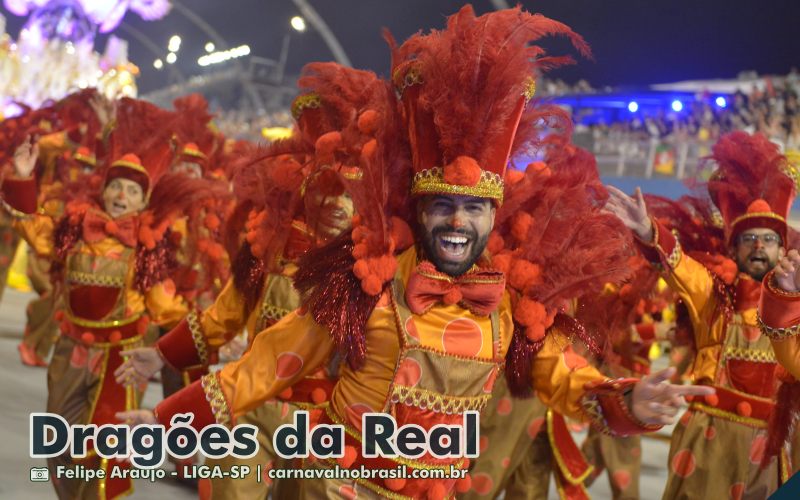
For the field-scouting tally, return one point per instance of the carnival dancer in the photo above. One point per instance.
(292, 203)
(423, 329)
(113, 257)
(717, 449)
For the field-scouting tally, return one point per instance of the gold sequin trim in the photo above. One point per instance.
(412, 77)
(197, 336)
(86, 323)
(750, 354)
(778, 333)
(594, 411)
(438, 403)
(431, 181)
(216, 399)
(95, 279)
(766, 215)
(303, 102)
(271, 312)
(674, 258)
(530, 89)
(716, 412)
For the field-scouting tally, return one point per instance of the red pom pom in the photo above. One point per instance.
(395, 484)
(360, 251)
(453, 296)
(368, 122)
(350, 455)
(115, 336)
(532, 314)
(513, 176)
(372, 285)
(111, 227)
(369, 150)
(495, 244)
(759, 206)
(212, 222)
(319, 396)
(538, 168)
(359, 233)
(744, 409)
(87, 338)
(147, 238)
(401, 234)
(712, 399)
(257, 249)
(59, 316)
(464, 484)
(464, 171)
(328, 143)
(521, 226)
(286, 393)
(524, 274)
(437, 492)
(215, 251)
(361, 269)
(386, 267)
(502, 262)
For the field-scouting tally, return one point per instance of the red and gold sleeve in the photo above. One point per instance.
(687, 277)
(291, 349)
(198, 337)
(566, 382)
(779, 319)
(19, 199)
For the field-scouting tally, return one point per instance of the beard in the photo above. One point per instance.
(760, 267)
(454, 269)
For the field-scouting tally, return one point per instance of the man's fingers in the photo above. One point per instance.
(661, 376)
(692, 390)
(640, 200)
(662, 409)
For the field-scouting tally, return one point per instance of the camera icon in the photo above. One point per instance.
(40, 474)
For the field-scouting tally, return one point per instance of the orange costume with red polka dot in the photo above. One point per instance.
(718, 446)
(115, 282)
(416, 343)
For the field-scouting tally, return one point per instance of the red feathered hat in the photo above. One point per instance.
(753, 184)
(464, 91)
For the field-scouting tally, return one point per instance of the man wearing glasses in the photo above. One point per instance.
(719, 444)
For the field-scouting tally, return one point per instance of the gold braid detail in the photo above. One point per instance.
(750, 355)
(675, 256)
(438, 403)
(95, 279)
(197, 336)
(216, 399)
(431, 181)
(716, 412)
(778, 333)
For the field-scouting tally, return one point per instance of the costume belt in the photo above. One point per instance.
(735, 406)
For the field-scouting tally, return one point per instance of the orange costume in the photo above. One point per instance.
(416, 343)
(719, 443)
(115, 282)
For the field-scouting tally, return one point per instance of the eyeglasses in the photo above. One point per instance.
(768, 239)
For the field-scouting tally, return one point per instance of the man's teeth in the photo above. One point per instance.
(457, 240)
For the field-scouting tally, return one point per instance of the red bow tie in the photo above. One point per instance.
(478, 291)
(98, 225)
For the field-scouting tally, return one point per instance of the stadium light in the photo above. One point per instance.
(298, 23)
(677, 106)
(210, 47)
(171, 58)
(633, 106)
(158, 64)
(225, 55)
(174, 43)
(721, 102)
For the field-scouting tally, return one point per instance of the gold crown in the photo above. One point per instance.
(431, 181)
(303, 102)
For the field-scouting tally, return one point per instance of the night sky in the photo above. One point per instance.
(635, 42)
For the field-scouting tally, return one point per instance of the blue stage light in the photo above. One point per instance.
(633, 106)
(721, 102)
(677, 106)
